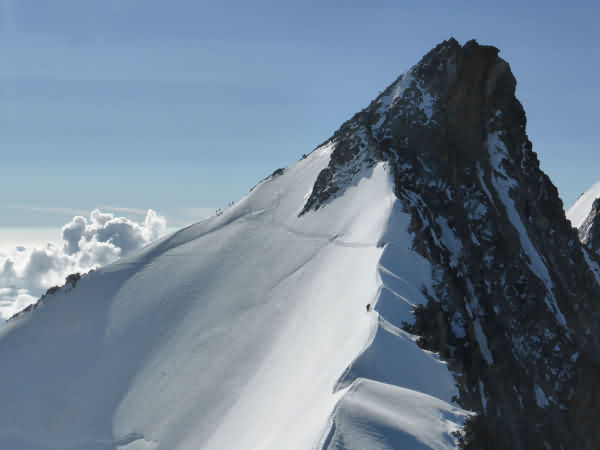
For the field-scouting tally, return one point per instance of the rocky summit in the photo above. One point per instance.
(516, 306)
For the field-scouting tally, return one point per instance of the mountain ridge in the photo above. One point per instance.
(468, 147)
(429, 205)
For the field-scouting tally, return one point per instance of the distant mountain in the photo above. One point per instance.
(589, 231)
(416, 266)
(584, 215)
(579, 211)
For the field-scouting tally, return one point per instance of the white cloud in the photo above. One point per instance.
(87, 242)
(13, 300)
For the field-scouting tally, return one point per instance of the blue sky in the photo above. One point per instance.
(182, 106)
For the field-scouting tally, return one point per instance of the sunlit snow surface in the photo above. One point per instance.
(240, 332)
(579, 211)
(577, 214)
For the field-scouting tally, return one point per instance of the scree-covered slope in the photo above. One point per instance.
(239, 332)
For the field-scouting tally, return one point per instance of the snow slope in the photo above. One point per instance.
(578, 212)
(242, 331)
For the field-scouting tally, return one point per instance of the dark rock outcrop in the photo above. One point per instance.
(70, 283)
(516, 311)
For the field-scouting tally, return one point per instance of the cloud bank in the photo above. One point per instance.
(87, 243)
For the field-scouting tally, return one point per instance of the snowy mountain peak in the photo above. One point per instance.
(510, 281)
(416, 265)
(589, 230)
(432, 114)
(580, 210)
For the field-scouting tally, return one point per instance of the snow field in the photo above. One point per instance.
(242, 331)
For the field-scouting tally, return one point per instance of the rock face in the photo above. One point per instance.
(516, 312)
(589, 231)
